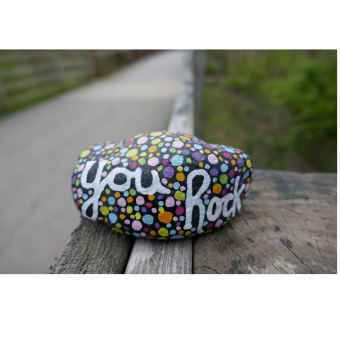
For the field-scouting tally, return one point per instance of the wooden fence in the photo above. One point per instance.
(30, 76)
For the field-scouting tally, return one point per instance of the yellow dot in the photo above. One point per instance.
(81, 201)
(138, 215)
(129, 209)
(180, 176)
(235, 156)
(110, 208)
(160, 209)
(84, 153)
(140, 135)
(105, 219)
(158, 154)
(248, 163)
(132, 216)
(156, 141)
(155, 134)
(117, 230)
(163, 232)
(132, 152)
(188, 233)
(170, 185)
(179, 195)
(104, 210)
(221, 159)
(180, 168)
(188, 145)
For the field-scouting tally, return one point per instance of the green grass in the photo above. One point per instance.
(278, 106)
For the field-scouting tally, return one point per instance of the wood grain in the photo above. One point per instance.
(94, 249)
(288, 224)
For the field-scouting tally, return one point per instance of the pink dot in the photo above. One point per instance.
(170, 202)
(148, 205)
(224, 192)
(210, 225)
(136, 225)
(165, 161)
(179, 210)
(175, 218)
(231, 173)
(247, 187)
(79, 192)
(166, 156)
(81, 167)
(115, 161)
(110, 146)
(121, 202)
(127, 222)
(126, 163)
(154, 210)
(104, 173)
(178, 228)
(167, 144)
(153, 161)
(132, 165)
(182, 188)
(164, 181)
(100, 203)
(142, 140)
(209, 191)
(177, 144)
(140, 200)
(212, 159)
(142, 234)
(218, 223)
(178, 202)
(90, 192)
(122, 210)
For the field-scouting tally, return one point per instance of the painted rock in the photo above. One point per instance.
(161, 185)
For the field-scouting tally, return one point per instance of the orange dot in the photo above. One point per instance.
(217, 188)
(181, 232)
(158, 154)
(122, 216)
(105, 219)
(153, 233)
(200, 164)
(117, 154)
(207, 151)
(104, 199)
(180, 176)
(129, 199)
(165, 217)
(106, 157)
(188, 145)
(117, 194)
(134, 158)
(235, 156)
(151, 197)
(91, 146)
(152, 148)
(233, 162)
(248, 179)
(221, 159)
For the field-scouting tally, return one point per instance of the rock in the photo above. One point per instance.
(162, 185)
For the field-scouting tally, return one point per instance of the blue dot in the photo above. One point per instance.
(124, 160)
(111, 201)
(205, 223)
(124, 150)
(98, 153)
(168, 225)
(232, 180)
(228, 186)
(193, 229)
(97, 147)
(144, 147)
(118, 145)
(137, 208)
(126, 193)
(168, 139)
(79, 161)
(135, 234)
(176, 237)
(176, 185)
(244, 155)
(172, 232)
(113, 218)
(163, 149)
(111, 158)
(245, 175)
(197, 146)
(160, 203)
(152, 137)
(147, 219)
(224, 223)
(206, 202)
(75, 171)
(214, 179)
(75, 196)
(182, 218)
(207, 166)
(186, 168)
(224, 168)
(85, 196)
(177, 160)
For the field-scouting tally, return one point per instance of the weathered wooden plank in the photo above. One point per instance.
(94, 249)
(288, 224)
(171, 257)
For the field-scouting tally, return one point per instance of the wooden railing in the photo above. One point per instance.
(30, 76)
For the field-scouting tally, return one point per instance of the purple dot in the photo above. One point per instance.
(73, 179)
(126, 228)
(168, 172)
(157, 225)
(240, 162)
(115, 209)
(178, 223)
(198, 156)
(213, 172)
(144, 209)
(186, 152)
(160, 197)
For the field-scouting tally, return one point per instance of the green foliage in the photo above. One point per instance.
(300, 87)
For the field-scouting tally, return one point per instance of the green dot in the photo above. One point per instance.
(160, 168)
(156, 141)
(143, 154)
(140, 135)
(244, 169)
(160, 145)
(163, 232)
(179, 195)
(118, 225)
(109, 151)
(188, 160)
(150, 155)
(132, 152)
(132, 192)
(107, 191)
(224, 179)
(172, 150)
(104, 210)
(141, 161)
(108, 168)
(179, 151)
(84, 153)
(127, 233)
(93, 158)
(201, 151)
(77, 182)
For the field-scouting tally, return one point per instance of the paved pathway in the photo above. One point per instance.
(38, 148)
